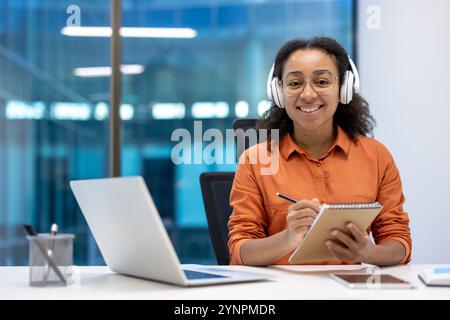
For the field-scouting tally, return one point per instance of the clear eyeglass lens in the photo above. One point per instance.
(322, 84)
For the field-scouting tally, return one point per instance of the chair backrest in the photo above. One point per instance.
(244, 124)
(216, 188)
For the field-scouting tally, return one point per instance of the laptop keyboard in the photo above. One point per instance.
(194, 275)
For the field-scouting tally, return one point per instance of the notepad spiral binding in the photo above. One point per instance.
(372, 205)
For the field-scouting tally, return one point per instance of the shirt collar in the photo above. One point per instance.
(288, 146)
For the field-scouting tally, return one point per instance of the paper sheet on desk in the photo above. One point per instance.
(322, 268)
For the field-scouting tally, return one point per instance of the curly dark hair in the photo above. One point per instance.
(354, 118)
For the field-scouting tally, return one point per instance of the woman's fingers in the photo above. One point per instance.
(340, 252)
(302, 204)
(297, 215)
(338, 256)
(305, 222)
(345, 239)
(356, 231)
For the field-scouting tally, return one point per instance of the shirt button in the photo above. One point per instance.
(318, 164)
(322, 201)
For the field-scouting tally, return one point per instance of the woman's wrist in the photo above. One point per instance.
(290, 242)
(387, 253)
(369, 255)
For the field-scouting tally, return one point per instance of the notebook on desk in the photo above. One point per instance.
(332, 216)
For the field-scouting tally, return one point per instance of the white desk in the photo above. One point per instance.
(101, 283)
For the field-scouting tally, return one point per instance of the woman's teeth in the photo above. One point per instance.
(310, 109)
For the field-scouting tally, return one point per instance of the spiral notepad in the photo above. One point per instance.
(332, 216)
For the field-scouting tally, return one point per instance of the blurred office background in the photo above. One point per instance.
(54, 119)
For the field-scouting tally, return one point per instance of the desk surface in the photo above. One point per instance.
(294, 283)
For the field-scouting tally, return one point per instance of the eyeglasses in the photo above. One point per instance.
(322, 83)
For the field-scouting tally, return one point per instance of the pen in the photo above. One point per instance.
(30, 232)
(286, 197)
(53, 232)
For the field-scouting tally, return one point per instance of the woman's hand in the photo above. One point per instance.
(355, 248)
(299, 219)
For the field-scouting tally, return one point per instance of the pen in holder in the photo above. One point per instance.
(50, 258)
(53, 232)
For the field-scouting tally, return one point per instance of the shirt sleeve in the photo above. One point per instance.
(392, 223)
(248, 219)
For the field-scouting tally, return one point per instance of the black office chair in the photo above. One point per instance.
(216, 188)
(244, 124)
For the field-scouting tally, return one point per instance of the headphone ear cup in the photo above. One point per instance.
(270, 90)
(350, 81)
(343, 89)
(277, 93)
(346, 91)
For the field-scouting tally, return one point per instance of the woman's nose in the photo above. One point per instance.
(308, 92)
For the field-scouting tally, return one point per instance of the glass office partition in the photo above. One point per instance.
(53, 118)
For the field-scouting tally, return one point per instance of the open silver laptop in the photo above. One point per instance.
(131, 236)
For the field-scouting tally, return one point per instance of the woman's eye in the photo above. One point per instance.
(322, 82)
(295, 83)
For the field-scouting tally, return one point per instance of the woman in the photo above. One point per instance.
(325, 156)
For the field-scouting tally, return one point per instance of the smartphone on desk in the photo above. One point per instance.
(371, 281)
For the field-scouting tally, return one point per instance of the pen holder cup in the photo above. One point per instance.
(50, 259)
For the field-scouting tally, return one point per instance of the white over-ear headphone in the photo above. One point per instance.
(350, 84)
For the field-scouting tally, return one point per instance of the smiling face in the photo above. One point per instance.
(310, 111)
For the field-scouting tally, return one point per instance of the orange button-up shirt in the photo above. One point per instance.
(358, 171)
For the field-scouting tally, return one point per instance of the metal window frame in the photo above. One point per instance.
(355, 9)
(115, 90)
